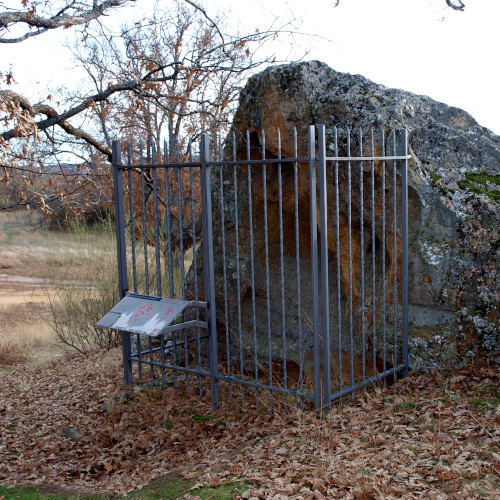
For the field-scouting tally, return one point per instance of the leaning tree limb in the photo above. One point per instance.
(50, 113)
(66, 17)
(57, 118)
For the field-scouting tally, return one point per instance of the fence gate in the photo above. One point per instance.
(287, 258)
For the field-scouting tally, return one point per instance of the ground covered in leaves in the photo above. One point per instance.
(432, 437)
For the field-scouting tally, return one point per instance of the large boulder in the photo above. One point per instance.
(454, 182)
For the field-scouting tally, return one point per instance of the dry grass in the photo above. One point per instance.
(55, 285)
(12, 353)
(29, 250)
(37, 268)
(20, 315)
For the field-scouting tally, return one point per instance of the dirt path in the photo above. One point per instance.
(26, 248)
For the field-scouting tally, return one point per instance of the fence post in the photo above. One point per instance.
(208, 267)
(404, 203)
(325, 300)
(314, 265)
(121, 251)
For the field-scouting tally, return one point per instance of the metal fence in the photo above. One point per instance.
(298, 257)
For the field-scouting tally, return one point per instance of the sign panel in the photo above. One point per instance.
(142, 314)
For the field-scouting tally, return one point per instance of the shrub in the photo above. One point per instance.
(84, 287)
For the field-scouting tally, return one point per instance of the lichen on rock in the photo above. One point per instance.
(454, 175)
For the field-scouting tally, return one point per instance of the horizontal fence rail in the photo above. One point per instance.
(299, 258)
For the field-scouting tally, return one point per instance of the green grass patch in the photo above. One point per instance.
(37, 493)
(172, 488)
(410, 405)
(168, 489)
(201, 418)
(484, 404)
(226, 491)
(434, 177)
(168, 424)
(478, 184)
(482, 178)
(164, 489)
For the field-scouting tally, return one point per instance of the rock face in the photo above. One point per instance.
(454, 183)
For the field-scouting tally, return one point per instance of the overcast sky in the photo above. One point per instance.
(417, 45)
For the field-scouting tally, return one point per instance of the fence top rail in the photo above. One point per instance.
(305, 159)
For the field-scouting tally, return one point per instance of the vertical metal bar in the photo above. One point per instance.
(134, 255)
(384, 357)
(194, 264)
(339, 282)
(170, 251)
(395, 253)
(362, 245)
(132, 220)
(208, 267)
(181, 222)
(314, 266)
(162, 356)
(374, 248)
(138, 346)
(325, 299)
(157, 252)
(121, 250)
(349, 223)
(252, 268)
(237, 248)
(120, 219)
(146, 260)
(266, 245)
(404, 263)
(180, 203)
(174, 358)
(224, 271)
(282, 267)
(144, 223)
(156, 222)
(297, 265)
(168, 209)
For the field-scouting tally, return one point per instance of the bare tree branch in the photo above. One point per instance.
(52, 114)
(204, 12)
(56, 118)
(61, 19)
(76, 132)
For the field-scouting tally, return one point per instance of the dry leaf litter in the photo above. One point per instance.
(64, 424)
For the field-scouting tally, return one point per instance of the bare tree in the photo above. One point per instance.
(172, 74)
(205, 73)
